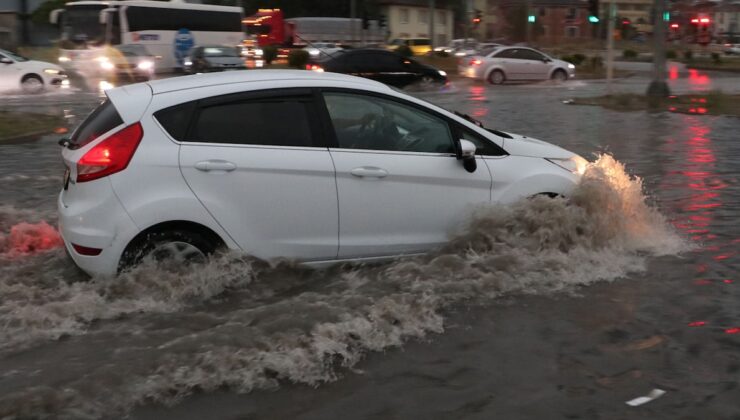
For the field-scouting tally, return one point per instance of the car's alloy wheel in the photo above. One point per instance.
(497, 77)
(32, 84)
(172, 250)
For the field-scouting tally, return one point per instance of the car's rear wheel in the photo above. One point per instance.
(559, 76)
(171, 249)
(496, 77)
(32, 83)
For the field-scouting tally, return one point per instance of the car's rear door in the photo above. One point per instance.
(257, 162)
(401, 188)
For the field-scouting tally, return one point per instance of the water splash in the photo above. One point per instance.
(280, 322)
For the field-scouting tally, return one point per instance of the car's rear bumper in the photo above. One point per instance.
(105, 226)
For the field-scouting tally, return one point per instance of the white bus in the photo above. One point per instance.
(167, 29)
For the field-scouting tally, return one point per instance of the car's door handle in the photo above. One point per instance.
(215, 165)
(369, 172)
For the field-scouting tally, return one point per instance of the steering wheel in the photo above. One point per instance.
(415, 139)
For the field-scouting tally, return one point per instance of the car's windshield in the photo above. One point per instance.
(81, 24)
(220, 52)
(15, 57)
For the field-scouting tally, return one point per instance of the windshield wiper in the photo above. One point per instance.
(480, 124)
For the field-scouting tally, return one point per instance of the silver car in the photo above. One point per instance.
(515, 64)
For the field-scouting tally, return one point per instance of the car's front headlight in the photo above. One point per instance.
(575, 164)
(442, 73)
(187, 63)
(145, 65)
(571, 66)
(314, 52)
(52, 71)
(258, 52)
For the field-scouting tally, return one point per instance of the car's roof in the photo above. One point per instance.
(223, 78)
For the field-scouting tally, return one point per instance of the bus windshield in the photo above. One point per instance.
(82, 24)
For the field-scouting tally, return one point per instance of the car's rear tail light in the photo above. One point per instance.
(83, 250)
(475, 62)
(314, 67)
(111, 155)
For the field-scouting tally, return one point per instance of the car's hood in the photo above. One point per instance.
(526, 146)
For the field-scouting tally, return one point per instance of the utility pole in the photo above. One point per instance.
(658, 86)
(527, 12)
(431, 23)
(352, 16)
(25, 36)
(611, 16)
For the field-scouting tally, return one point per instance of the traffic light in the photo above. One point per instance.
(531, 18)
(381, 21)
(477, 17)
(593, 11)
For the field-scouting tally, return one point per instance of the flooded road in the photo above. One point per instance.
(548, 309)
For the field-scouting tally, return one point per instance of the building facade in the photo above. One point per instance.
(555, 21)
(636, 12)
(410, 19)
(726, 22)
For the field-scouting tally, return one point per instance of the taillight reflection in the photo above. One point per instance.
(111, 155)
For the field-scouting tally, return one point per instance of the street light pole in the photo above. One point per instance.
(431, 23)
(352, 16)
(658, 86)
(611, 16)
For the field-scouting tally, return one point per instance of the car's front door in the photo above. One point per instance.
(258, 164)
(535, 64)
(401, 189)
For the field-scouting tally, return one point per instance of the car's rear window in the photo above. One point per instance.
(103, 119)
(175, 119)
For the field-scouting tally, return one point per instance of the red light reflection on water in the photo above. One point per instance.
(477, 95)
(29, 238)
(696, 78)
(733, 330)
(673, 73)
(697, 323)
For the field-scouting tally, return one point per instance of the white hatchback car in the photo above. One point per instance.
(319, 167)
(515, 64)
(18, 72)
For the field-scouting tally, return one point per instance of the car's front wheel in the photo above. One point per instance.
(559, 76)
(32, 83)
(171, 249)
(496, 77)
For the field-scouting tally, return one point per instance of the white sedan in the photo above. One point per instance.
(515, 64)
(18, 72)
(181, 167)
(322, 49)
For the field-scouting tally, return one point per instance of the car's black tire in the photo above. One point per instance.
(496, 77)
(32, 83)
(559, 76)
(193, 247)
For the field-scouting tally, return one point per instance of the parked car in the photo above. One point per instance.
(180, 167)
(383, 66)
(210, 58)
(322, 49)
(515, 64)
(18, 72)
(419, 46)
(128, 62)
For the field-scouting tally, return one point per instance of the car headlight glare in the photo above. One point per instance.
(575, 164)
(51, 71)
(571, 66)
(106, 65)
(442, 73)
(145, 65)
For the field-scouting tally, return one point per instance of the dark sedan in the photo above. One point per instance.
(384, 66)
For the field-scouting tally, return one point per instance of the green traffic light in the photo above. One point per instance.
(593, 19)
(530, 18)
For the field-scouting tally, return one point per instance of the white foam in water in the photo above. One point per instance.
(293, 325)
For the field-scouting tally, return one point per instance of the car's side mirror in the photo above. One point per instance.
(467, 155)
(545, 60)
(6, 60)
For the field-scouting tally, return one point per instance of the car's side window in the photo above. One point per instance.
(257, 122)
(530, 55)
(373, 123)
(506, 54)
